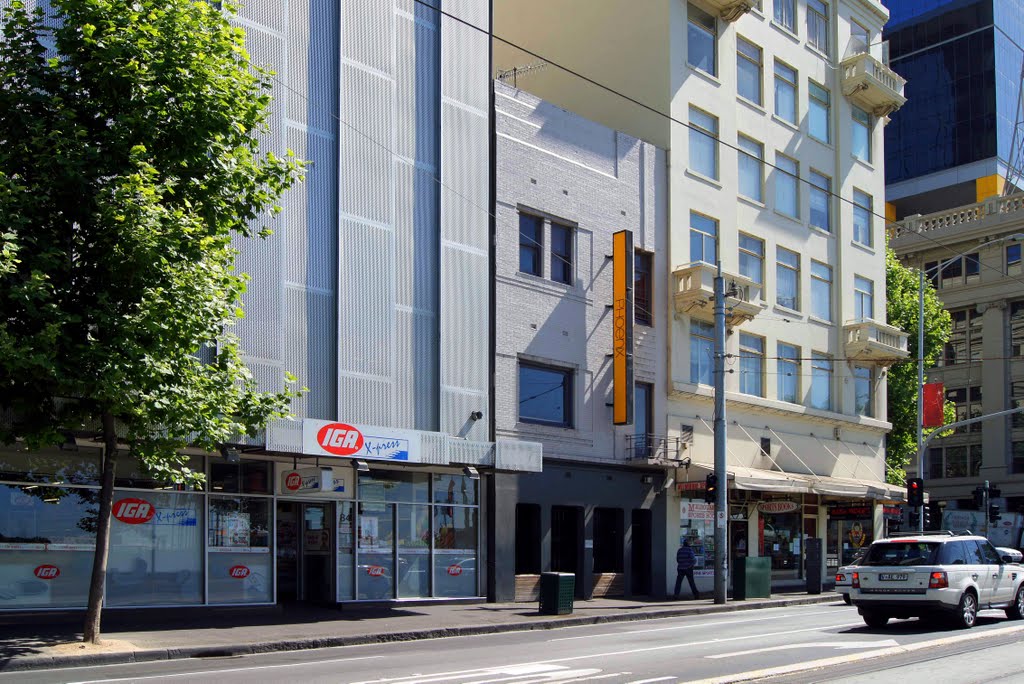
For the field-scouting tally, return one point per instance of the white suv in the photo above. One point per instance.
(944, 574)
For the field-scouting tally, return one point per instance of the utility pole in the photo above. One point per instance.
(721, 502)
(920, 388)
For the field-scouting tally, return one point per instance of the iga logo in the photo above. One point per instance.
(47, 572)
(340, 439)
(375, 571)
(292, 482)
(455, 570)
(238, 572)
(133, 511)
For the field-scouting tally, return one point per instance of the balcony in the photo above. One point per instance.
(654, 449)
(870, 84)
(873, 342)
(695, 294)
(731, 10)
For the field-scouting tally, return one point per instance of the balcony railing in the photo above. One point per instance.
(875, 342)
(695, 294)
(654, 448)
(731, 10)
(869, 83)
(960, 216)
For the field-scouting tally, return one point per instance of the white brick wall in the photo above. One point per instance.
(560, 165)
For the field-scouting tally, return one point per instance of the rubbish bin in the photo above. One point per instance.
(557, 590)
(813, 566)
(752, 578)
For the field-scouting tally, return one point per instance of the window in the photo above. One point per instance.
(1017, 328)
(785, 14)
(751, 365)
(643, 286)
(752, 258)
(860, 39)
(863, 298)
(1013, 260)
(785, 92)
(702, 347)
(864, 394)
(701, 37)
(703, 238)
(956, 271)
(967, 404)
(821, 201)
(788, 368)
(821, 381)
(817, 25)
(531, 237)
(751, 167)
(787, 186)
(561, 253)
(748, 70)
(643, 396)
(965, 338)
(787, 278)
(821, 290)
(861, 134)
(819, 106)
(863, 208)
(545, 395)
(954, 461)
(703, 143)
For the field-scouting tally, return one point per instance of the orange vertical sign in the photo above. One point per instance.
(622, 327)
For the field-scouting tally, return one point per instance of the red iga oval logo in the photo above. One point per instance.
(133, 511)
(238, 571)
(47, 572)
(292, 482)
(340, 439)
(375, 571)
(455, 570)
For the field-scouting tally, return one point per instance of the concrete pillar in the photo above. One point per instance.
(995, 381)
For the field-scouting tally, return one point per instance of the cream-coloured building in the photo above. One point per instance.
(772, 115)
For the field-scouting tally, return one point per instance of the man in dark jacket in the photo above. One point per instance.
(685, 560)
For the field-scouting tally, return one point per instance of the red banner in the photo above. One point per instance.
(932, 416)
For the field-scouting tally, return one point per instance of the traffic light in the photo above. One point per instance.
(979, 498)
(710, 488)
(994, 492)
(915, 492)
(927, 511)
(993, 513)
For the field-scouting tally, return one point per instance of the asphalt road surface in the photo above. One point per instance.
(823, 642)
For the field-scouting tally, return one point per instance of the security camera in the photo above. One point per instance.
(476, 415)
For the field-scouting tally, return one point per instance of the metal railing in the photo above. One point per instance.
(647, 447)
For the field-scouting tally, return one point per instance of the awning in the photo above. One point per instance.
(759, 479)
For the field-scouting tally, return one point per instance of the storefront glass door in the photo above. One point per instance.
(317, 520)
(375, 573)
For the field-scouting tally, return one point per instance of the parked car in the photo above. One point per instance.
(844, 576)
(935, 575)
(1010, 555)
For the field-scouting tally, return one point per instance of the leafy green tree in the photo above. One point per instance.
(129, 162)
(902, 308)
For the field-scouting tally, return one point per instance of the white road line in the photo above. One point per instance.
(694, 625)
(233, 669)
(648, 681)
(841, 645)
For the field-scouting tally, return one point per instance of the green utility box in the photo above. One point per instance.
(752, 578)
(557, 590)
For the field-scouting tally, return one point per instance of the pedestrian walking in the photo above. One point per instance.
(686, 559)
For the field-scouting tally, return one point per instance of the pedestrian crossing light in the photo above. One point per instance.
(710, 488)
(915, 492)
(993, 513)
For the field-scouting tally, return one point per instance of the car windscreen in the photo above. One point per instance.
(901, 553)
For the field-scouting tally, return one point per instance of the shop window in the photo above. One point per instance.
(455, 488)
(131, 474)
(76, 465)
(248, 476)
(413, 551)
(47, 542)
(346, 551)
(156, 558)
(528, 539)
(239, 565)
(394, 486)
(455, 551)
(696, 523)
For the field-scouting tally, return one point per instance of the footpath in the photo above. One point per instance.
(37, 640)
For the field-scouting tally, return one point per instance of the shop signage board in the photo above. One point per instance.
(860, 511)
(316, 482)
(696, 510)
(777, 507)
(334, 439)
(622, 327)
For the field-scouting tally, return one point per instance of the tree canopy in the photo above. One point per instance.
(130, 162)
(902, 307)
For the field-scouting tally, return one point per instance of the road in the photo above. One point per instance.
(797, 644)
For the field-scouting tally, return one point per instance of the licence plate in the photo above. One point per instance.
(892, 576)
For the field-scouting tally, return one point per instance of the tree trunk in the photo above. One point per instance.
(91, 632)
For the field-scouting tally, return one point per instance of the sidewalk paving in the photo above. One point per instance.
(42, 640)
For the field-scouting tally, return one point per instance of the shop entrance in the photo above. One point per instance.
(304, 551)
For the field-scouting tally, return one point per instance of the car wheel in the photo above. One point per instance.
(875, 620)
(967, 612)
(847, 599)
(1016, 609)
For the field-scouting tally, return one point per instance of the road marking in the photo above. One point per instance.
(854, 657)
(233, 669)
(693, 626)
(842, 645)
(648, 681)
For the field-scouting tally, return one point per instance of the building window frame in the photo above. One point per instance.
(821, 381)
(863, 218)
(965, 338)
(531, 246)
(818, 25)
(784, 14)
(1013, 260)
(700, 28)
(864, 391)
(819, 112)
(860, 134)
(703, 236)
(702, 347)
(703, 142)
(750, 162)
(821, 289)
(787, 185)
(563, 240)
(787, 92)
(749, 63)
(787, 268)
(863, 298)
(567, 388)
(643, 288)
(821, 201)
(751, 257)
(752, 356)
(787, 367)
